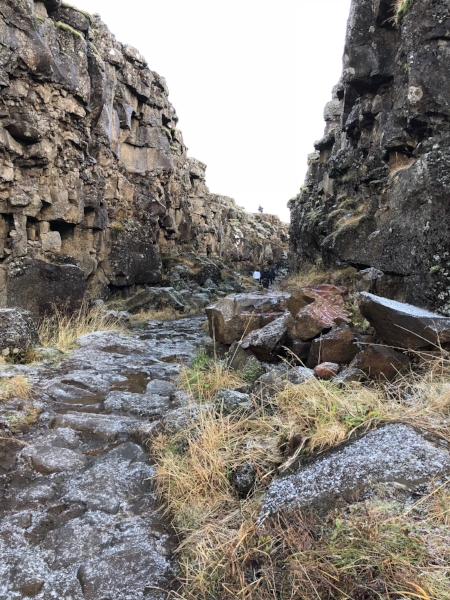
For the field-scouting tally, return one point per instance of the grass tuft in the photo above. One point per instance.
(17, 386)
(61, 330)
(205, 377)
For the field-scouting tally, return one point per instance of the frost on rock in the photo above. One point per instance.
(394, 453)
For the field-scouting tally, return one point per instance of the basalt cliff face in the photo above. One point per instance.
(377, 192)
(95, 182)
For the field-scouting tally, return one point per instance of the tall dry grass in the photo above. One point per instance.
(62, 329)
(376, 549)
(17, 386)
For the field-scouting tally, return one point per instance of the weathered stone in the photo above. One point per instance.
(233, 317)
(377, 194)
(338, 346)
(94, 170)
(326, 370)
(17, 333)
(394, 453)
(229, 401)
(265, 343)
(314, 309)
(155, 299)
(244, 479)
(105, 427)
(40, 287)
(403, 325)
(49, 459)
(380, 362)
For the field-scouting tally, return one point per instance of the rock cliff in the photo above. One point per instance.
(95, 182)
(377, 192)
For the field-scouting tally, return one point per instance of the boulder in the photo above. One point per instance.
(391, 454)
(49, 459)
(338, 346)
(380, 362)
(52, 5)
(326, 370)
(315, 309)
(39, 287)
(265, 343)
(403, 325)
(235, 316)
(17, 333)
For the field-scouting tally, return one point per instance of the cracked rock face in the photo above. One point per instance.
(94, 173)
(377, 191)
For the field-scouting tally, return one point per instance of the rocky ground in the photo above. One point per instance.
(78, 517)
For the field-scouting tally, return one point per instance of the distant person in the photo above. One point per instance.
(260, 209)
(257, 276)
(265, 278)
(272, 274)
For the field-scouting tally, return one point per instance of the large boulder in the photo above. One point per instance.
(403, 325)
(17, 333)
(337, 346)
(235, 316)
(266, 342)
(380, 362)
(395, 453)
(39, 287)
(315, 309)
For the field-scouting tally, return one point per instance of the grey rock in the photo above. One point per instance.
(17, 333)
(161, 388)
(266, 342)
(394, 453)
(403, 325)
(229, 401)
(50, 459)
(144, 405)
(105, 427)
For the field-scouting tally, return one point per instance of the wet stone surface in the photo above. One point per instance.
(79, 519)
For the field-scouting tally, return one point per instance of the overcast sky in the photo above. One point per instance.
(248, 79)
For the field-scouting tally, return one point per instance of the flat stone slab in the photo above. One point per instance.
(49, 459)
(403, 325)
(144, 405)
(394, 453)
(105, 427)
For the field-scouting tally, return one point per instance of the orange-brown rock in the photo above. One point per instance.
(338, 346)
(380, 362)
(326, 370)
(314, 309)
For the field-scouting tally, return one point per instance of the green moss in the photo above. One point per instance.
(435, 269)
(76, 34)
(402, 8)
(83, 12)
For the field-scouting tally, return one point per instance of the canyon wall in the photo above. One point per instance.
(377, 192)
(95, 182)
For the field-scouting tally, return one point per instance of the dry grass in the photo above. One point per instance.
(317, 274)
(61, 330)
(376, 549)
(17, 386)
(205, 377)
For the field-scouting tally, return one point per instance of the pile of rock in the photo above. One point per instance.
(314, 325)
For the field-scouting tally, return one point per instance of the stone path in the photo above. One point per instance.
(78, 517)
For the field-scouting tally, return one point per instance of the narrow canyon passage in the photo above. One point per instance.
(78, 517)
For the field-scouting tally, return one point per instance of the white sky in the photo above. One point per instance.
(248, 79)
